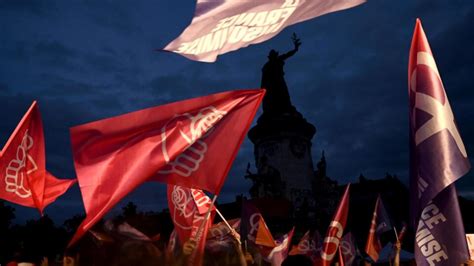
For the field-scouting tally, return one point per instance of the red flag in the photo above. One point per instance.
(254, 228)
(190, 143)
(188, 214)
(341, 258)
(22, 163)
(380, 224)
(335, 230)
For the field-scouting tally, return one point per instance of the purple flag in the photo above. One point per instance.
(349, 249)
(221, 26)
(437, 159)
(253, 226)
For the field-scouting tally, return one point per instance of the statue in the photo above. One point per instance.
(277, 98)
(267, 182)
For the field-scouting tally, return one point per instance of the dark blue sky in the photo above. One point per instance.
(88, 60)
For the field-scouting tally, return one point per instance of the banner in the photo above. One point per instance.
(25, 180)
(379, 225)
(336, 229)
(191, 143)
(278, 254)
(349, 249)
(253, 226)
(188, 209)
(221, 26)
(437, 159)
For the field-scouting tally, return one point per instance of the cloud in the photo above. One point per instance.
(93, 60)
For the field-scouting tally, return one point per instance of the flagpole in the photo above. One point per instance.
(396, 235)
(398, 247)
(228, 225)
(208, 213)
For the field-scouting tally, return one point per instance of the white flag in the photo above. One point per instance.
(221, 26)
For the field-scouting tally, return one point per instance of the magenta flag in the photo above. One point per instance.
(221, 26)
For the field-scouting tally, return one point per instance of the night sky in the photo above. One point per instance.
(88, 60)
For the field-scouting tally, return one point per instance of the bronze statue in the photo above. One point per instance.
(277, 98)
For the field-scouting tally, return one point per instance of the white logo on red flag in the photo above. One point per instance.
(334, 237)
(185, 207)
(15, 176)
(191, 129)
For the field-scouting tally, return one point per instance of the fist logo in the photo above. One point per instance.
(16, 172)
(191, 129)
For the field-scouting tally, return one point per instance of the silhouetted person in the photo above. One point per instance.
(297, 260)
(277, 98)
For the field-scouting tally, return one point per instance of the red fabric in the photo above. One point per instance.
(188, 209)
(190, 143)
(22, 164)
(373, 245)
(341, 258)
(380, 224)
(335, 230)
(419, 43)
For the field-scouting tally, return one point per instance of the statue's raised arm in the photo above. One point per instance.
(297, 43)
(277, 98)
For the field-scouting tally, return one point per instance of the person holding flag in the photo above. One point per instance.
(437, 159)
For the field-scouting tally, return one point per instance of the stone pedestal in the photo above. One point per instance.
(282, 149)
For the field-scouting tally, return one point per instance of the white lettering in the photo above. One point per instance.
(425, 240)
(243, 27)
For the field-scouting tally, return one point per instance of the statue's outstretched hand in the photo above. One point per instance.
(296, 41)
